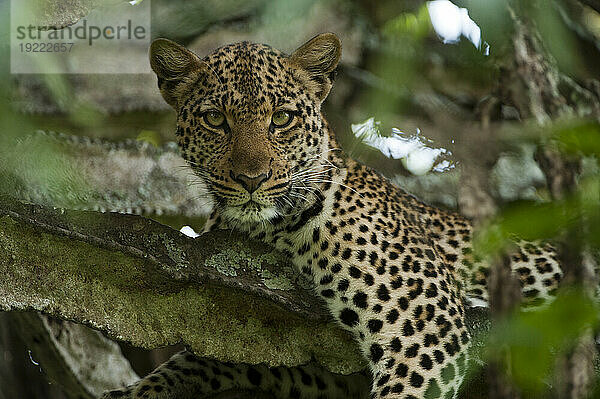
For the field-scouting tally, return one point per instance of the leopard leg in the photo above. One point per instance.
(188, 376)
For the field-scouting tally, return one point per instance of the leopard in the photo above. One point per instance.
(395, 272)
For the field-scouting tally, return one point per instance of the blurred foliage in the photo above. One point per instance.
(528, 342)
(182, 20)
(578, 138)
(494, 19)
(280, 15)
(578, 211)
(533, 221)
(534, 339)
(80, 114)
(36, 161)
(39, 163)
(411, 72)
(415, 26)
(574, 137)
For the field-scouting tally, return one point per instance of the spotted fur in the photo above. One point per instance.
(394, 271)
(186, 376)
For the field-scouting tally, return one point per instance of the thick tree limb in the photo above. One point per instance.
(146, 284)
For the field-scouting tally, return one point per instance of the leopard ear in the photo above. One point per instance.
(319, 58)
(176, 67)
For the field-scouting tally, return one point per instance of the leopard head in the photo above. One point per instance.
(249, 121)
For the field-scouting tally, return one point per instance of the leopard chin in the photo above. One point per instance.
(250, 214)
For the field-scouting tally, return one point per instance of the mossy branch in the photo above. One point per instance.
(146, 284)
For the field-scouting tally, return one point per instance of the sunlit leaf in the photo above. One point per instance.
(416, 26)
(489, 241)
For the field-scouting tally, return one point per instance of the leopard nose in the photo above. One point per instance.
(251, 184)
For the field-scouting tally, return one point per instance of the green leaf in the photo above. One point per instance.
(582, 137)
(534, 338)
(533, 221)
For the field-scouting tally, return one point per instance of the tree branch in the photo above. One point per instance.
(143, 283)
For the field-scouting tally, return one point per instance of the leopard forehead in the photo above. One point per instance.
(248, 67)
(250, 81)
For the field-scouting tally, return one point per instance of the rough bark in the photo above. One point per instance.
(143, 283)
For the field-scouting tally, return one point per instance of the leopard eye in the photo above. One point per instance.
(214, 118)
(281, 118)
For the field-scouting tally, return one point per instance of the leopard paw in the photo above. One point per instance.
(138, 391)
(124, 393)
